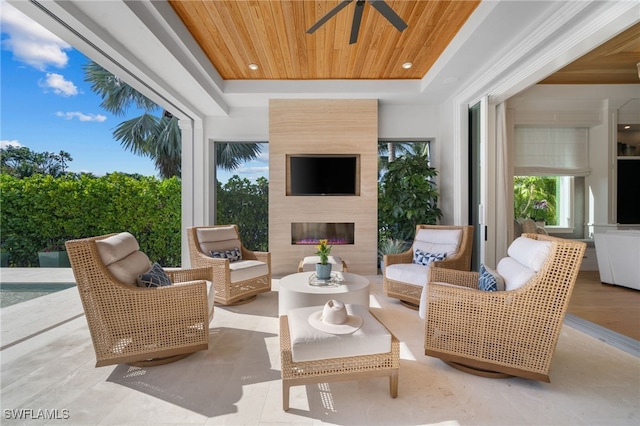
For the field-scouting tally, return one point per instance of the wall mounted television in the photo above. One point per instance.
(322, 174)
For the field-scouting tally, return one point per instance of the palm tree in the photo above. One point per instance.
(158, 138)
(388, 152)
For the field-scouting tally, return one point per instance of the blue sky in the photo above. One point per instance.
(46, 106)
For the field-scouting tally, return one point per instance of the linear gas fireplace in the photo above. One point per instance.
(311, 233)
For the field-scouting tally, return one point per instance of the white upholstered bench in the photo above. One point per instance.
(310, 356)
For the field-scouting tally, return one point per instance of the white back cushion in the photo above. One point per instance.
(128, 269)
(515, 274)
(116, 247)
(121, 255)
(438, 241)
(529, 252)
(217, 239)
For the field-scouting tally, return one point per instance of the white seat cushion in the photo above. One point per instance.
(515, 274)
(309, 263)
(411, 273)
(211, 299)
(247, 269)
(309, 343)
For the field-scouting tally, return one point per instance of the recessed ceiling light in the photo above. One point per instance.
(253, 67)
(627, 127)
(407, 65)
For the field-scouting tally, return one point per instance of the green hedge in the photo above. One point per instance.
(41, 212)
(246, 203)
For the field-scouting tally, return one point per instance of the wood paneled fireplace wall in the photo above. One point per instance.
(323, 127)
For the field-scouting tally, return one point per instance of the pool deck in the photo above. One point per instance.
(36, 275)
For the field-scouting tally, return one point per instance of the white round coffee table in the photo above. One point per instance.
(294, 291)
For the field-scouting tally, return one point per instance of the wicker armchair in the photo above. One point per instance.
(138, 325)
(502, 333)
(404, 280)
(235, 282)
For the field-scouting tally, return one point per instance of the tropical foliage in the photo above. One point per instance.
(535, 197)
(407, 196)
(156, 137)
(388, 152)
(21, 162)
(246, 203)
(42, 212)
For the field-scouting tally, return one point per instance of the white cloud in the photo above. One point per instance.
(29, 41)
(13, 143)
(80, 116)
(59, 85)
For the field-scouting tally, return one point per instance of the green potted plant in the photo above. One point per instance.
(407, 197)
(323, 269)
(54, 255)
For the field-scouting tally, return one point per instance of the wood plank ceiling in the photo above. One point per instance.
(272, 34)
(613, 62)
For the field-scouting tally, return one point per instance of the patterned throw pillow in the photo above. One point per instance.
(233, 254)
(423, 258)
(154, 277)
(489, 280)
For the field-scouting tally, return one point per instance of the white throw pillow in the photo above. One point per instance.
(529, 252)
(515, 274)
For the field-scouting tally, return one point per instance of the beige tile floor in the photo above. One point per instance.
(47, 363)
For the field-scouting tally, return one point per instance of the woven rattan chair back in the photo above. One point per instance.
(134, 325)
(503, 332)
(226, 291)
(410, 293)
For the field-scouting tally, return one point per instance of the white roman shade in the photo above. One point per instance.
(551, 151)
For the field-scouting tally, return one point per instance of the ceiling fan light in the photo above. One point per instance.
(253, 67)
(407, 65)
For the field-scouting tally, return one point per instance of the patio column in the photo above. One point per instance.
(194, 183)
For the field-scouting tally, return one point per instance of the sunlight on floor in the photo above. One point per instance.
(405, 352)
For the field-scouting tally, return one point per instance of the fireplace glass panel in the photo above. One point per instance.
(312, 233)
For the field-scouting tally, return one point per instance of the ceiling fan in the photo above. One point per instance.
(382, 7)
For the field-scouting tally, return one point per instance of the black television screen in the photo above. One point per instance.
(322, 175)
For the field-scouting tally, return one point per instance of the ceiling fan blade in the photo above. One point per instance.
(328, 16)
(357, 19)
(386, 11)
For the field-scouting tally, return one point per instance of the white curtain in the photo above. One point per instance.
(551, 151)
(504, 184)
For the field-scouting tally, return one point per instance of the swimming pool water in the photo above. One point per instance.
(13, 293)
